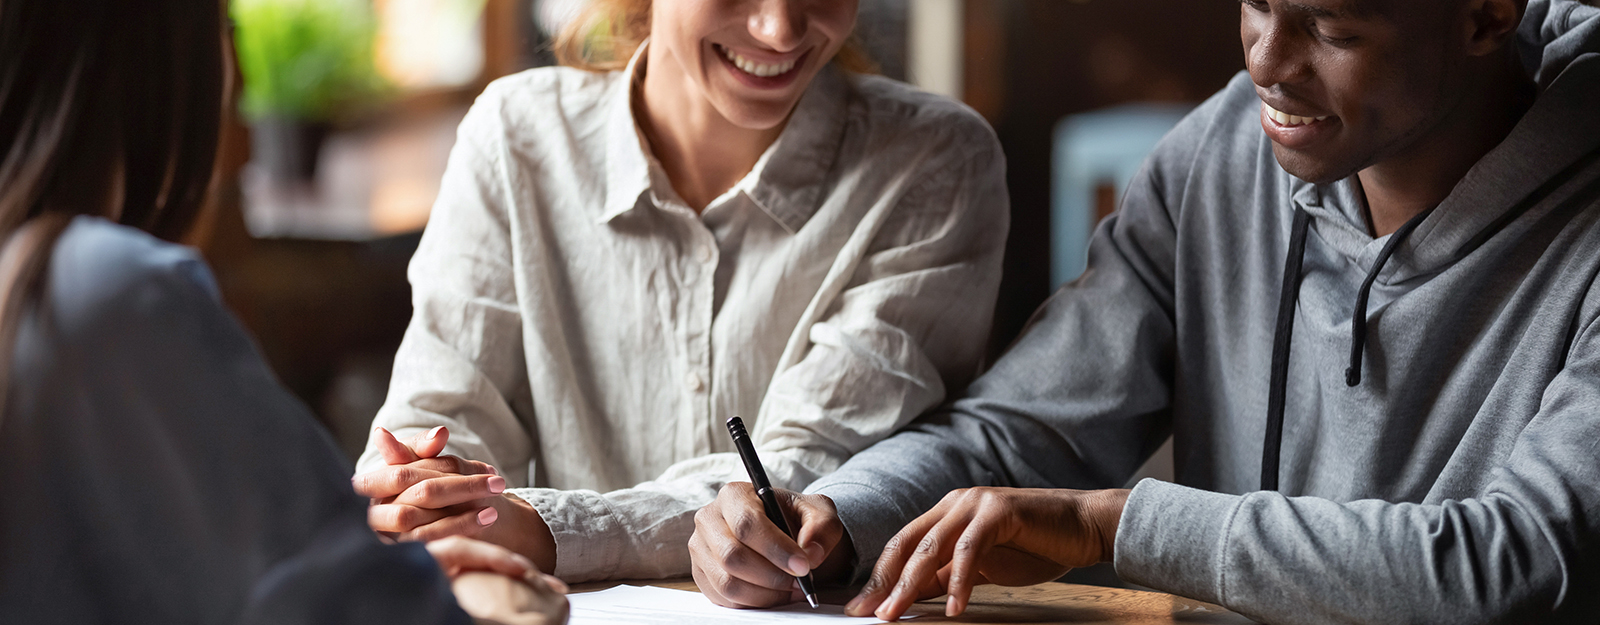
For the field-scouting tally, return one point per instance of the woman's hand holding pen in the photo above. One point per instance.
(741, 560)
(424, 496)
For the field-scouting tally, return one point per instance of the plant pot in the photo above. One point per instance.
(287, 149)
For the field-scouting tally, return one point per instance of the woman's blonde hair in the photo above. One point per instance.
(606, 33)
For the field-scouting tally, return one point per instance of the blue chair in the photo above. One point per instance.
(1093, 150)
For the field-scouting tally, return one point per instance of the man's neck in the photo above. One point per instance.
(703, 153)
(1423, 175)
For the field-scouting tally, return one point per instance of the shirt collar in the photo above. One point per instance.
(627, 163)
(786, 182)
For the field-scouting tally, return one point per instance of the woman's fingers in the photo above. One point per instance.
(455, 464)
(430, 443)
(467, 523)
(391, 449)
(398, 519)
(457, 554)
(446, 491)
(390, 481)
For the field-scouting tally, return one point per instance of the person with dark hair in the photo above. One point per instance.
(712, 210)
(139, 428)
(1358, 289)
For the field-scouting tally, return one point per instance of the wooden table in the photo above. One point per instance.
(1044, 604)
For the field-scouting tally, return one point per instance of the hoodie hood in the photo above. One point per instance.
(1559, 44)
(1554, 144)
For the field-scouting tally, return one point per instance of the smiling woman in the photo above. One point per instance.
(607, 32)
(713, 211)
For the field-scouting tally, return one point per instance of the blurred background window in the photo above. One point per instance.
(430, 44)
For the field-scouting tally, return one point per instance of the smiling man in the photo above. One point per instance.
(1357, 287)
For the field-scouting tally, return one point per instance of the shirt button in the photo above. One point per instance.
(693, 382)
(705, 253)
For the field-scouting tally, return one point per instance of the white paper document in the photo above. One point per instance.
(648, 605)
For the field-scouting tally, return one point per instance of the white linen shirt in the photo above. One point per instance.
(582, 329)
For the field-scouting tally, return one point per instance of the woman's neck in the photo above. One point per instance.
(703, 153)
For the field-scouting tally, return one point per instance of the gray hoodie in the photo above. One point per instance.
(1457, 482)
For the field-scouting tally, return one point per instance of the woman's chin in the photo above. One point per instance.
(754, 115)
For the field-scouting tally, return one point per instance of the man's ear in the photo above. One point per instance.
(1490, 23)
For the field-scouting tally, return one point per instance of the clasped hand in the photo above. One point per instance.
(1006, 536)
(423, 496)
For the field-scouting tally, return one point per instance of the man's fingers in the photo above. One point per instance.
(728, 591)
(430, 443)
(920, 575)
(886, 574)
(468, 524)
(747, 520)
(732, 559)
(456, 554)
(962, 573)
(391, 449)
(819, 530)
(443, 492)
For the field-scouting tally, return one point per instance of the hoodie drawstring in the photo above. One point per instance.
(1289, 298)
(1358, 323)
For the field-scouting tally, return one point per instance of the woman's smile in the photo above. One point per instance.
(762, 70)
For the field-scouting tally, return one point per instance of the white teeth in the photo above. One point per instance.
(1289, 120)
(756, 69)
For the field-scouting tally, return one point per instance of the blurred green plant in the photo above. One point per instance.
(309, 60)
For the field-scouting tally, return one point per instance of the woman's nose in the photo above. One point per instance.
(780, 24)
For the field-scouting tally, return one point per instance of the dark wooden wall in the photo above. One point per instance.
(1032, 62)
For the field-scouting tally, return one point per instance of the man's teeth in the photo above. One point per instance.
(757, 69)
(1290, 120)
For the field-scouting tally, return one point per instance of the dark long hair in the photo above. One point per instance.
(108, 108)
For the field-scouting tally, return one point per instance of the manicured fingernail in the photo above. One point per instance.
(950, 606)
(434, 433)
(850, 608)
(497, 484)
(798, 566)
(492, 470)
(487, 516)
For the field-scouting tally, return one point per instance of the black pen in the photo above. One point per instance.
(769, 499)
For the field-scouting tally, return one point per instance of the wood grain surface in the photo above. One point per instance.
(1044, 604)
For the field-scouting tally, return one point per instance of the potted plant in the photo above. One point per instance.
(306, 64)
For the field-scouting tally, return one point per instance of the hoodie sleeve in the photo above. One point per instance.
(1521, 551)
(1079, 401)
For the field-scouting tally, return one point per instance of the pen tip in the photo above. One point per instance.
(812, 599)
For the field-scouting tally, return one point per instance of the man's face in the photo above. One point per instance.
(1348, 84)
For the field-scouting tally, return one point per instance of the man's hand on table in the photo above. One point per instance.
(742, 560)
(1007, 536)
(498, 587)
(424, 496)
